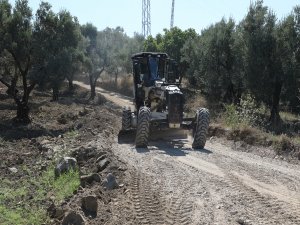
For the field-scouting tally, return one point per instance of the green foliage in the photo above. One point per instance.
(22, 216)
(231, 116)
(258, 56)
(171, 42)
(63, 186)
(16, 208)
(247, 113)
(214, 61)
(57, 37)
(150, 45)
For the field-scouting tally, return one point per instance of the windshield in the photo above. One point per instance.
(153, 64)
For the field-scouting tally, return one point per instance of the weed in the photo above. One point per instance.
(16, 208)
(283, 144)
(64, 186)
(71, 134)
(22, 216)
(231, 116)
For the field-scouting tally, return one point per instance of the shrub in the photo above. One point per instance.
(247, 113)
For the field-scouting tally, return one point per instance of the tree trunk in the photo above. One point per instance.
(55, 94)
(22, 112)
(275, 117)
(229, 96)
(12, 89)
(93, 87)
(93, 81)
(116, 79)
(71, 85)
(93, 91)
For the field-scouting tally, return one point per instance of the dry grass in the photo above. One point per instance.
(124, 84)
(287, 116)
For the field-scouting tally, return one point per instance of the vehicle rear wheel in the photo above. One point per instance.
(201, 128)
(126, 118)
(143, 127)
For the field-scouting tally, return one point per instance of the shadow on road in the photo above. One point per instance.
(173, 143)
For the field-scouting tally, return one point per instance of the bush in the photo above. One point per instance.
(247, 113)
(231, 117)
(283, 145)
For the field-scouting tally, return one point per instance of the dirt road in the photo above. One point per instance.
(170, 183)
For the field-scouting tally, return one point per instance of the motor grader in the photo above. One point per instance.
(159, 101)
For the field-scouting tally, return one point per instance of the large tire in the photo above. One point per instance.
(126, 118)
(200, 128)
(143, 127)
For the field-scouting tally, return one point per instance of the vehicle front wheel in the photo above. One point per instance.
(126, 118)
(200, 128)
(143, 127)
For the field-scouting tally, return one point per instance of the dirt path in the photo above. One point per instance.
(116, 98)
(170, 183)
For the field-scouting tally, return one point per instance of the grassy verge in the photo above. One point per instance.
(248, 122)
(25, 201)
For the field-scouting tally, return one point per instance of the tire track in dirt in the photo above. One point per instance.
(182, 188)
(148, 203)
(260, 207)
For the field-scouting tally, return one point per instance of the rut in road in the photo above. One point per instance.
(148, 203)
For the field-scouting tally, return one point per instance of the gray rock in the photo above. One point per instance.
(13, 169)
(90, 204)
(101, 158)
(56, 212)
(64, 165)
(44, 142)
(88, 179)
(102, 164)
(33, 141)
(73, 218)
(110, 182)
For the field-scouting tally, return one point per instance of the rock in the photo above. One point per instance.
(55, 212)
(44, 146)
(73, 218)
(102, 164)
(101, 158)
(44, 142)
(62, 120)
(88, 179)
(90, 204)
(84, 153)
(43, 167)
(83, 112)
(110, 182)
(13, 170)
(242, 221)
(65, 165)
(122, 168)
(19, 160)
(33, 141)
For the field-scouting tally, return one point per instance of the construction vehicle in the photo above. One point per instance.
(159, 102)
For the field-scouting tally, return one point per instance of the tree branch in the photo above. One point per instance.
(5, 83)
